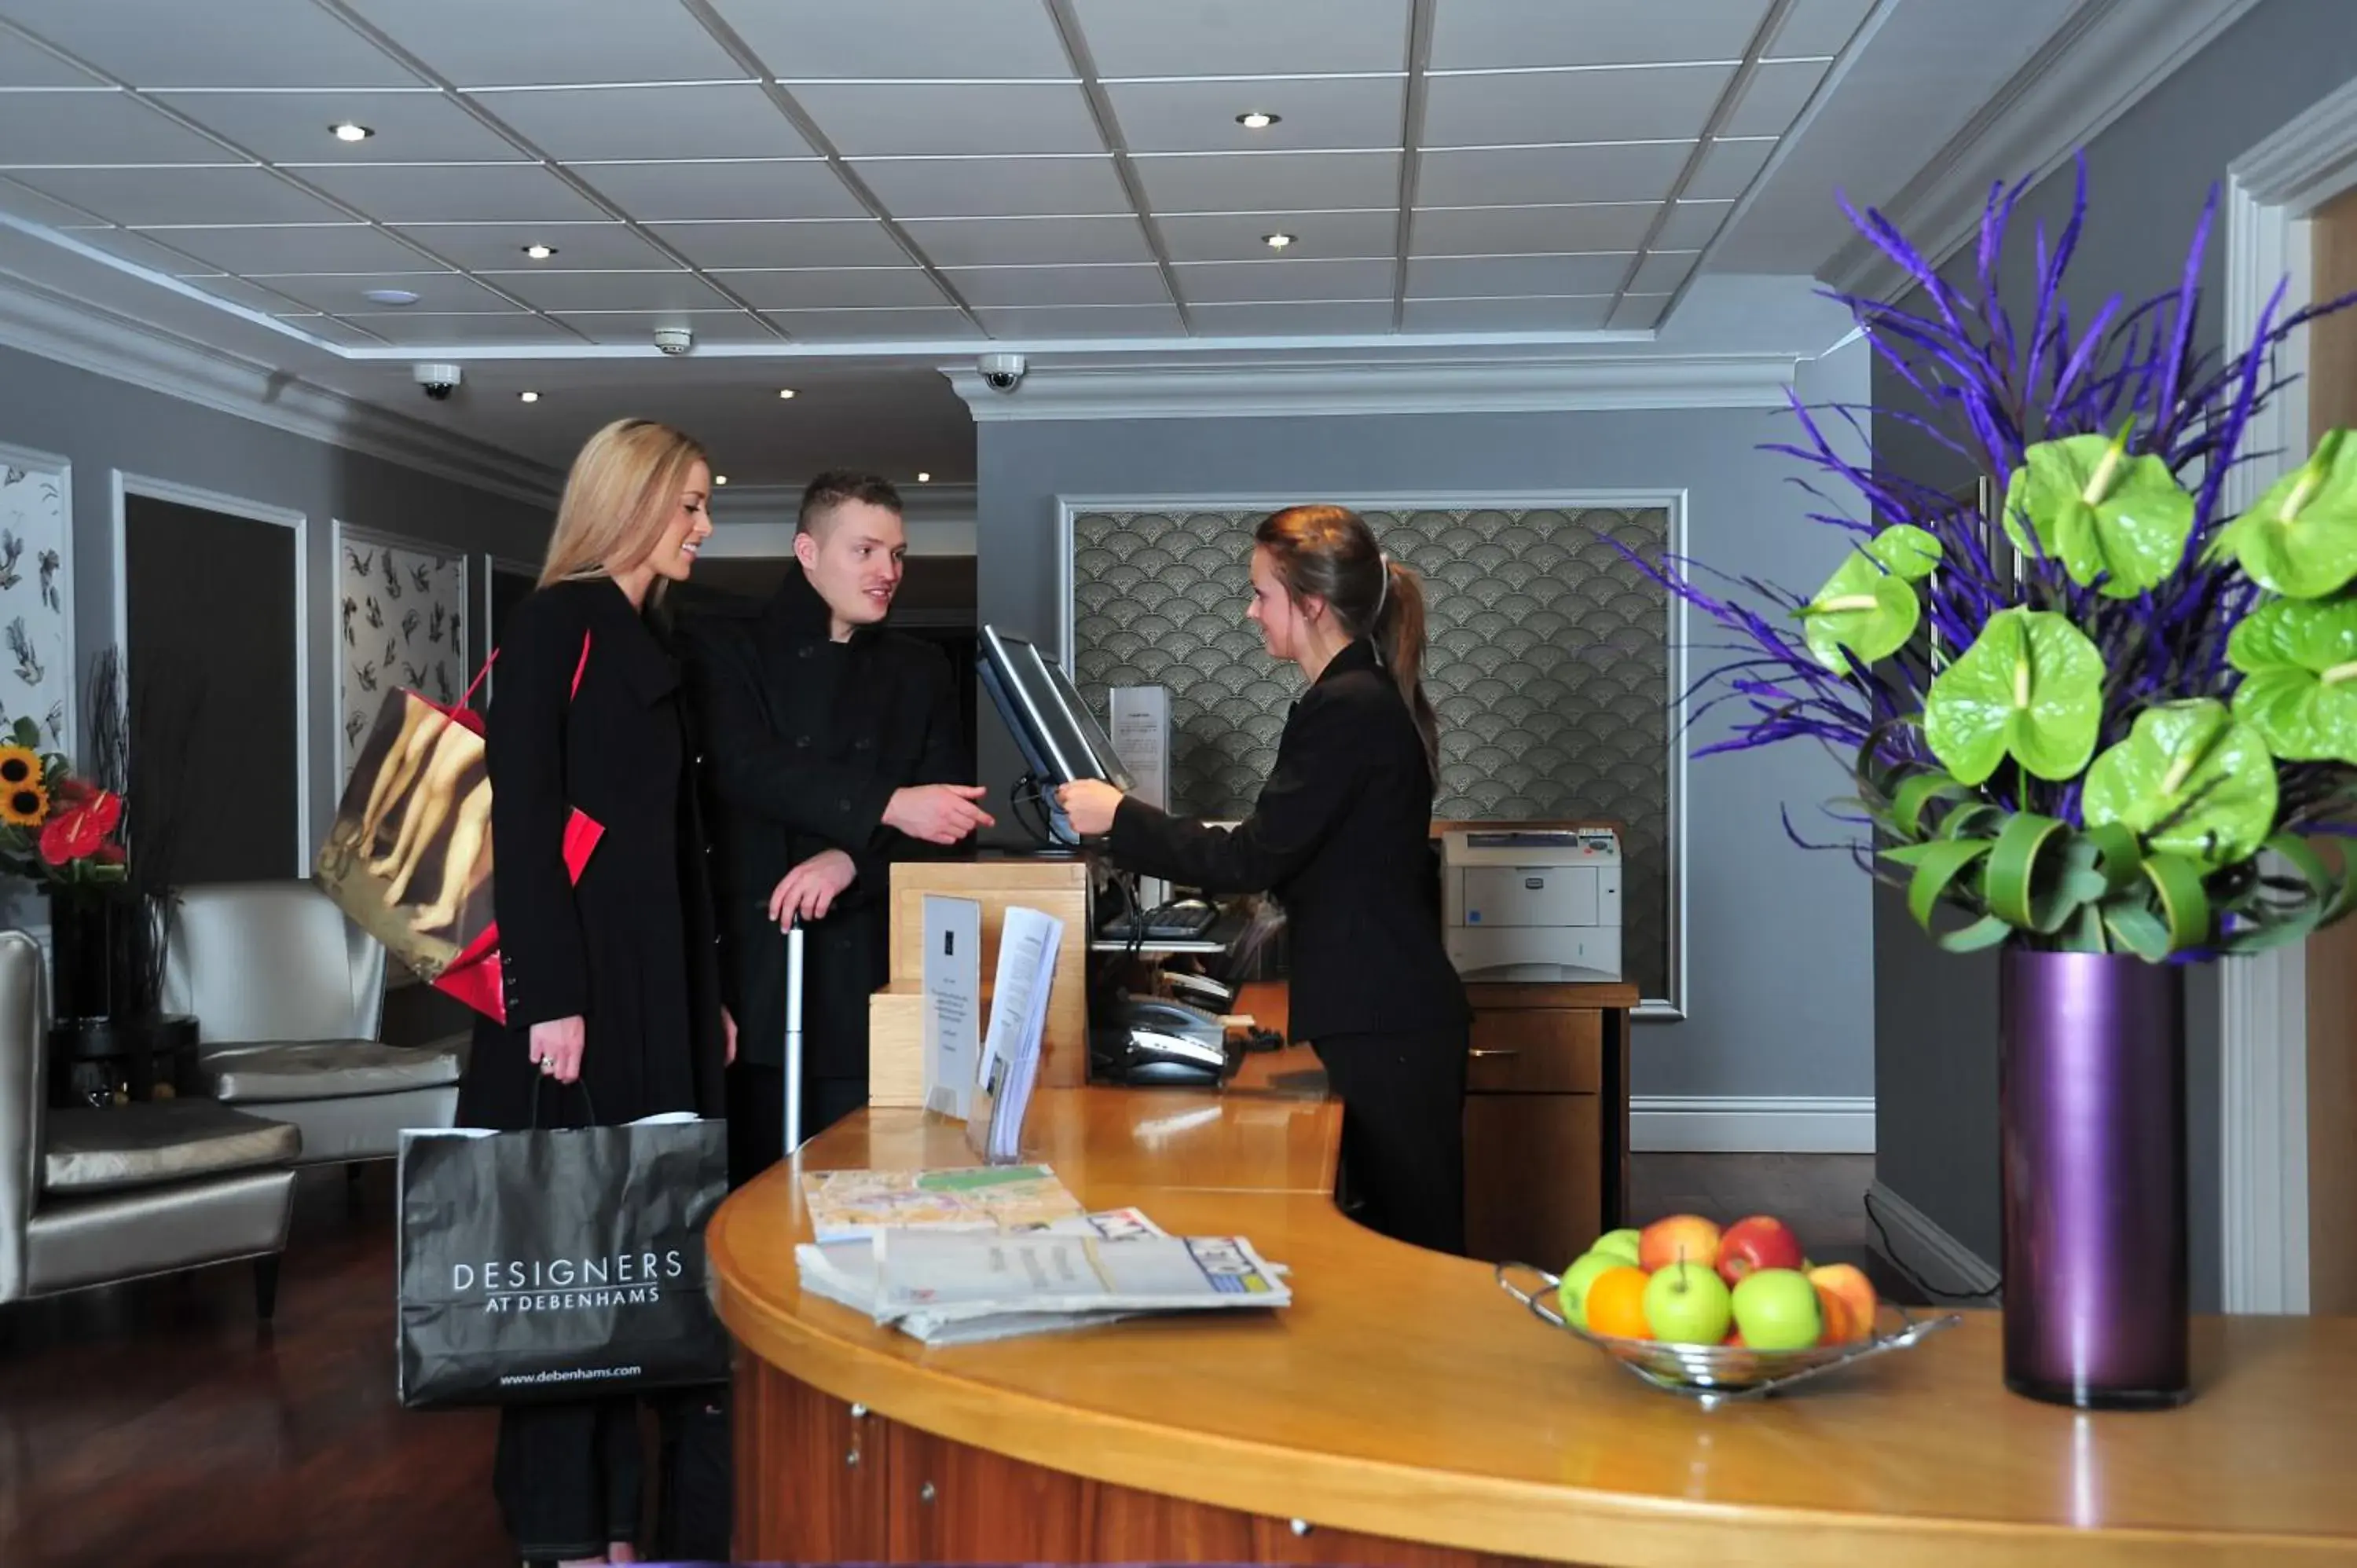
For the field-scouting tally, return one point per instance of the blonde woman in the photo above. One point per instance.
(611, 984)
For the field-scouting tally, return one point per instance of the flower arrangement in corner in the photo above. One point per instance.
(2111, 717)
(56, 829)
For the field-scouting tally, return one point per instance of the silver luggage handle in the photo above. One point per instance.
(793, 1036)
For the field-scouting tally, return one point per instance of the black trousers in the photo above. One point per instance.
(569, 1477)
(757, 1113)
(1403, 1131)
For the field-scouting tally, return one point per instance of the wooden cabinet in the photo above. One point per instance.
(1545, 1120)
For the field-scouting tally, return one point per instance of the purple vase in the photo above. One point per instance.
(2091, 1082)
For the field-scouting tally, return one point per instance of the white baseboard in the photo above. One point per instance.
(1739, 1123)
(1917, 1246)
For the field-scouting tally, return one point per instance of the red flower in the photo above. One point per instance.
(80, 831)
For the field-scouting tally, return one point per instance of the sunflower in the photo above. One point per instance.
(23, 805)
(19, 767)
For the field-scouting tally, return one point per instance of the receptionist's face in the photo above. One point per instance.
(1280, 619)
(853, 559)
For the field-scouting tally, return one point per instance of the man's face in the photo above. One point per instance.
(852, 556)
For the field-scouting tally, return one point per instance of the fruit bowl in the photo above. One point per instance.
(1713, 1375)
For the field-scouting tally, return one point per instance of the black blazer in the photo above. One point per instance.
(805, 741)
(1342, 835)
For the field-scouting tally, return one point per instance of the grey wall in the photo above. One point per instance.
(99, 425)
(2147, 174)
(1779, 996)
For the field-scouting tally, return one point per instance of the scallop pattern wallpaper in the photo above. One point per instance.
(1548, 663)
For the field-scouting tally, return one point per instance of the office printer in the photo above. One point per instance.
(1532, 902)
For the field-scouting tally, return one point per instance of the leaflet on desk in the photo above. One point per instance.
(953, 1275)
(844, 1272)
(952, 983)
(1028, 941)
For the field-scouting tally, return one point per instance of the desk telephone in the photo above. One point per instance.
(1159, 1040)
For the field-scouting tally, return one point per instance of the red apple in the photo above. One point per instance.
(1849, 1282)
(1758, 1242)
(1679, 1239)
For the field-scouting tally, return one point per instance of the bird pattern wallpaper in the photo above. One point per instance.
(1548, 661)
(401, 624)
(36, 658)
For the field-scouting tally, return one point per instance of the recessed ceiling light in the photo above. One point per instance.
(1277, 242)
(1257, 120)
(395, 297)
(527, 397)
(720, 478)
(924, 478)
(345, 131)
(785, 391)
(540, 252)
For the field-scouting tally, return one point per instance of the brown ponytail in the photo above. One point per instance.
(1329, 553)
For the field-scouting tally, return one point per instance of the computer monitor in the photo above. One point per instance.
(1060, 738)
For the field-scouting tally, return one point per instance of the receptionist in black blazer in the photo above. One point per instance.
(1341, 835)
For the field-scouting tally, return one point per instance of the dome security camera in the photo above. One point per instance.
(439, 381)
(674, 339)
(1001, 372)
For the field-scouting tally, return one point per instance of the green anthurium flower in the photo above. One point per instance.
(2100, 512)
(2031, 686)
(1869, 605)
(2299, 660)
(2190, 779)
(2300, 541)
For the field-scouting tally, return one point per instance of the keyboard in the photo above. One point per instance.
(1165, 923)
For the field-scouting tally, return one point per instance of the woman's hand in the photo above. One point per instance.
(809, 890)
(728, 1035)
(557, 1048)
(1088, 805)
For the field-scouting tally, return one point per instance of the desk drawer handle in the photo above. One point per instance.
(925, 1493)
(1302, 1527)
(1498, 1053)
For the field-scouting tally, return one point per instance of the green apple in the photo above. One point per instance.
(1776, 1309)
(1571, 1296)
(1621, 1244)
(1686, 1303)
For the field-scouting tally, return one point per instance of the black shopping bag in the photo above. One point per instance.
(558, 1264)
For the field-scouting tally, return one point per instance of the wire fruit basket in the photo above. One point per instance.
(1713, 1375)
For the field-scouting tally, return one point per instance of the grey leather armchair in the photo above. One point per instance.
(97, 1196)
(287, 996)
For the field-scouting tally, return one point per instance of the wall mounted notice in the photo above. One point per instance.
(1141, 738)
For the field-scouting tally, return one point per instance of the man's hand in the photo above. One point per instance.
(809, 890)
(1088, 805)
(556, 1046)
(937, 813)
(728, 1034)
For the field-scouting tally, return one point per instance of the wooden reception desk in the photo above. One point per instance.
(1405, 1411)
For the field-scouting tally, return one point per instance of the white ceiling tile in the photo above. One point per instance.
(1061, 285)
(637, 326)
(1505, 315)
(975, 39)
(1288, 279)
(1498, 34)
(1239, 236)
(23, 202)
(1518, 109)
(237, 291)
(277, 248)
(148, 250)
(422, 126)
(437, 293)
(491, 246)
(1727, 168)
(1773, 99)
(831, 243)
(1478, 277)
(876, 326)
(1312, 112)
(1692, 225)
(457, 331)
(22, 65)
(1638, 312)
(1292, 319)
(580, 124)
(101, 127)
(525, 43)
(933, 119)
(191, 194)
(334, 331)
(835, 288)
(1019, 242)
(1230, 38)
(757, 187)
(1523, 230)
(1039, 324)
(152, 43)
(1549, 175)
(1662, 272)
(454, 193)
(1819, 27)
(1268, 182)
(982, 188)
(672, 290)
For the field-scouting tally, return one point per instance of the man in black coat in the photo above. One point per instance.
(832, 746)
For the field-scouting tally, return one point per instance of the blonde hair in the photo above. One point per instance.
(624, 484)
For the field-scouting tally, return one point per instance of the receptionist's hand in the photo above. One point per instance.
(1089, 804)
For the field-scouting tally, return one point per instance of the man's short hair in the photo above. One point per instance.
(837, 486)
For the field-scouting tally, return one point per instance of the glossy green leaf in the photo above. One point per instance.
(2100, 511)
(2298, 658)
(1866, 607)
(2031, 686)
(2184, 905)
(1909, 551)
(2300, 540)
(2190, 780)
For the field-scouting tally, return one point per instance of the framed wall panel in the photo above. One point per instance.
(36, 619)
(403, 618)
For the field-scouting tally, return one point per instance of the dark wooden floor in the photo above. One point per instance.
(154, 1426)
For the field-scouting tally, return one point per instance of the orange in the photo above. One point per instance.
(1616, 1304)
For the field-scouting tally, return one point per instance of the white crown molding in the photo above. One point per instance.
(1751, 1123)
(2096, 66)
(54, 326)
(1255, 391)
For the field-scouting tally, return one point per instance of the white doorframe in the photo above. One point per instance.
(127, 484)
(2272, 190)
